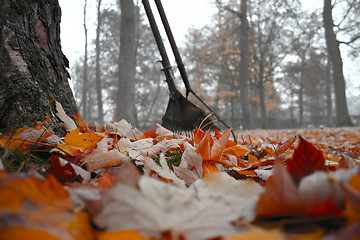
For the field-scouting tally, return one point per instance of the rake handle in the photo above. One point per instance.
(180, 63)
(174, 47)
(174, 93)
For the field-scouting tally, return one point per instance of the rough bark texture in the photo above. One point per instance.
(244, 68)
(32, 65)
(342, 114)
(126, 84)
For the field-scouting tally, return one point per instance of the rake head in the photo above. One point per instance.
(183, 115)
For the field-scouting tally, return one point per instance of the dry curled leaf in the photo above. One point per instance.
(102, 157)
(67, 123)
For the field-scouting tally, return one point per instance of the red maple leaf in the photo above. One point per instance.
(306, 159)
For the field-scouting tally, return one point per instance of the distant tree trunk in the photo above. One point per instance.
(342, 114)
(126, 84)
(262, 94)
(97, 67)
(328, 93)
(84, 101)
(32, 65)
(301, 97)
(244, 66)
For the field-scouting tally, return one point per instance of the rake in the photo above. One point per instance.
(181, 114)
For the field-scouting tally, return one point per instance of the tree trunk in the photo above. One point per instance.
(244, 66)
(262, 94)
(342, 114)
(328, 93)
(97, 67)
(126, 84)
(32, 65)
(301, 97)
(85, 99)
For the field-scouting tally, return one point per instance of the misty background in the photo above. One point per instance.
(290, 83)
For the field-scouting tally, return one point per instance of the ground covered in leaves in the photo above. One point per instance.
(115, 182)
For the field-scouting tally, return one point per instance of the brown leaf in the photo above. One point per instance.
(281, 196)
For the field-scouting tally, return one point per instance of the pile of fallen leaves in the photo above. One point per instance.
(115, 182)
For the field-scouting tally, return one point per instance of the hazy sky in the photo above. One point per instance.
(181, 14)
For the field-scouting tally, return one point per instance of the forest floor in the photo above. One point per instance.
(115, 182)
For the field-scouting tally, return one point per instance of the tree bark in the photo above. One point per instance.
(244, 66)
(97, 67)
(342, 114)
(32, 65)
(126, 84)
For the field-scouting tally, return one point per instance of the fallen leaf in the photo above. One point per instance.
(36, 205)
(64, 170)
(190, 168)
(126, 234)
(164, 171)
(306, 159)
(255, 234)
(346, 162)
(67, 123)
(157, 207)
(281, 196)
(102, 157)
(242, 195)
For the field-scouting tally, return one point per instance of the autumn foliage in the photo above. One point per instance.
(115, 182)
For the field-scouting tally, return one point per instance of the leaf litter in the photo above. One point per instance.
(115, 182)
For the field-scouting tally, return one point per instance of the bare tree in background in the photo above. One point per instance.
(97, 66)
(342, 113)
(32, 65)
(84, 101)
(244, 61)
(244, 65)
(125, 104)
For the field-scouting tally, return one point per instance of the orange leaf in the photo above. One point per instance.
(40, 204)
(198, 135)
(237, 151)
(204, 147)
(106, 180)
(306, 159)
(255, 234)
(209, 167)
(18, 190)
(86, 141)
(149, 134)
(252, 159)
(19, 232)
(285, 146)
(355, 182)
(219, 145)
(126, 234)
